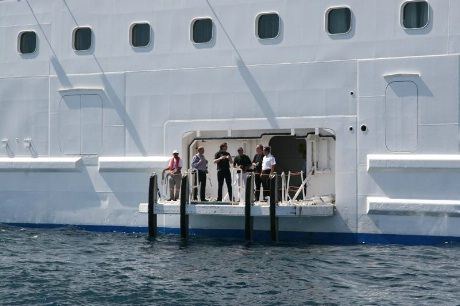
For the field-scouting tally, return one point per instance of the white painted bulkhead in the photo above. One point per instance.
(130, 107)
(421, 169)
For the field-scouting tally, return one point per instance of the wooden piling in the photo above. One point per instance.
(153, 198)
(249, 200)
(273, 202)
(183, 207)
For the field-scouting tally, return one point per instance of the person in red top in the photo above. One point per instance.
(175, 175)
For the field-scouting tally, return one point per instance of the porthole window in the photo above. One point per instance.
(268, 25)
(140, 35)
(82, 39)
(338, 20)
(202, 30)
(27, 42)
(415, 14)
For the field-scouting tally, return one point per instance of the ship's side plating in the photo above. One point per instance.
(81, 130)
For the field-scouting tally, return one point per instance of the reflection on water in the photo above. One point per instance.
(76, 267)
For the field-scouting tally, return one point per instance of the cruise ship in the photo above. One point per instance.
(358, 100)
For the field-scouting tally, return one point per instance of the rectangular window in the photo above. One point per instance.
(338, 20)
(268, 25)
(27, 42)
(202, 30)
(82, 39)
(415, 14)
(140, 35)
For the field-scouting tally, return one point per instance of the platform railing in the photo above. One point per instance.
(287, 188)
(238, 186)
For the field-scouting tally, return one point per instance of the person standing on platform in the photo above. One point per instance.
(257, 164)
(200, 165)
(223, 159)
(242, 162)
(268, 168)
(175, 176)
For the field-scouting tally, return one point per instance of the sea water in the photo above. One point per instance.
(73, 267)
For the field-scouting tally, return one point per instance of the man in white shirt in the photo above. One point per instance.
(268, 167)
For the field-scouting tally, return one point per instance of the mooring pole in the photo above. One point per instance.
(273, 202)
(153, 197)
(249, 200)
(183, 207)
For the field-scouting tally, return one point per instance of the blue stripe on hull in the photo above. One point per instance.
(303, 237)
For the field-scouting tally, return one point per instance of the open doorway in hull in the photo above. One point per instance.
(306, 158)
(290, 152)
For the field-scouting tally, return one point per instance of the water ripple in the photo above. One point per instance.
(71, 267)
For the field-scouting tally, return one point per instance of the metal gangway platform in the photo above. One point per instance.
(278, 204)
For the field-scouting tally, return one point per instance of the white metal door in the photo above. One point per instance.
(91, 124)
(401, 116)
(69, 124)
(80, 124)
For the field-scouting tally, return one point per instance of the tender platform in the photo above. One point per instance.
(318, 206)
(306, 208)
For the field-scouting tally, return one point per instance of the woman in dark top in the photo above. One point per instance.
(223, 159)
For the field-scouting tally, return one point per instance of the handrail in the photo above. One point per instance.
(237, 185)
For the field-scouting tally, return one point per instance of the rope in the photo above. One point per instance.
(288, 196)
(295, 173)
(283, 187)
(303, 189)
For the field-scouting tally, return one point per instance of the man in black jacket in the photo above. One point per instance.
(223, 159)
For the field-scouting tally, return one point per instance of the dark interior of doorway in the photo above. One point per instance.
(290, 155)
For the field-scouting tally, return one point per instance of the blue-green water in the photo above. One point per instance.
(72, 267)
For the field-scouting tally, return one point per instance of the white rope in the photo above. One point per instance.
(241, 185)
(164, 185)
(234, 181)
(289, 186)
(190, 185)
(283, 186)
(299, 190)
(303, 189)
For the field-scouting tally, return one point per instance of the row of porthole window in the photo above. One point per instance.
(414, 15)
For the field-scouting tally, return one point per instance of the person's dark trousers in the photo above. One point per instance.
(202, 181)
(266, 183)
(258, 181)
(221, 176)
(199, 177)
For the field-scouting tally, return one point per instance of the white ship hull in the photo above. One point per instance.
(81, 131)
